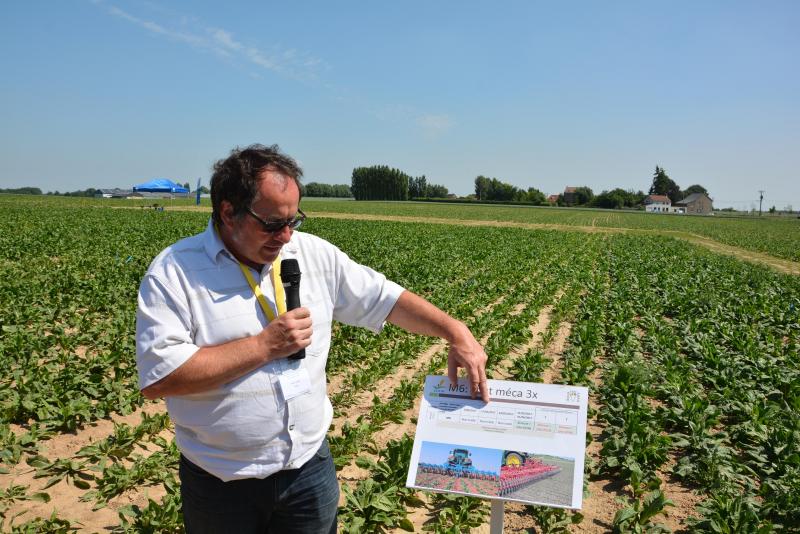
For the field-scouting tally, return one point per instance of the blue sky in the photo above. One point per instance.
(113, 93)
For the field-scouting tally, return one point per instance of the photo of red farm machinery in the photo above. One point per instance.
(520, 469)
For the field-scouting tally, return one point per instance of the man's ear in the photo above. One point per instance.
(226, 213)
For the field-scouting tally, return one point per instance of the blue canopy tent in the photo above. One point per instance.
(160, 185)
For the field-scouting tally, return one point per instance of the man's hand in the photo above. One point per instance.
(417, 315)
(288, 333)
(212, 366)
(466, 352)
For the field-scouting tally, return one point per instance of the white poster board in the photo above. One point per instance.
(526, 445)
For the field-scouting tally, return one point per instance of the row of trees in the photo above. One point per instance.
(89, 192)
(494, 189)
(315, 189)
(381, 182)
(420, 188)
(22, 191)
(614, 199)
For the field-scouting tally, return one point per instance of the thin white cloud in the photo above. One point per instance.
(434, 124)
(226, 39)
(290, 62)
(154, 27)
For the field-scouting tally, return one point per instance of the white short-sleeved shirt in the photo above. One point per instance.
(194, 294)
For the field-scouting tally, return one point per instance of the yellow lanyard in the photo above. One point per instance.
(280, 296)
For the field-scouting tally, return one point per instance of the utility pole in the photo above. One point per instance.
(760, 200)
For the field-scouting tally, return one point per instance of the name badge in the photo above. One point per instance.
(294, 382)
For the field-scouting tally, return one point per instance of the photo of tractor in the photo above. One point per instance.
(459, 464)
(459, 461)
(473, 470)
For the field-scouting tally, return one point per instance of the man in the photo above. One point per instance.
(210, 336)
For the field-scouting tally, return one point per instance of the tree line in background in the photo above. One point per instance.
(494, 189)
(380, 182)
(22, 191)
(315, 189)
(90, 192)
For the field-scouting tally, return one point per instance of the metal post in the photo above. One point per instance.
(496, 519)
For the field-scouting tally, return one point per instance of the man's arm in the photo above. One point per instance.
(417, 315)
(213, 366)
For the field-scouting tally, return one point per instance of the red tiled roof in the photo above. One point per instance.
(657, 198)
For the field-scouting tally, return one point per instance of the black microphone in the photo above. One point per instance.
(290, 278)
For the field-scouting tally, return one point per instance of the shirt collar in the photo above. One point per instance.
(212, 242)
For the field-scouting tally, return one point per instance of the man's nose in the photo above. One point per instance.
(284, 235)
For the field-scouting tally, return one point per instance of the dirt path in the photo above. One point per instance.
(554, 351)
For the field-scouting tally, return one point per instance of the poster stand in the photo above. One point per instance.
(496, 517)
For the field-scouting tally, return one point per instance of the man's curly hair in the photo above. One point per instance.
(236, 177)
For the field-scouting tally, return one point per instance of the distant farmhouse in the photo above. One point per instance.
(696, 203)
(658, 204)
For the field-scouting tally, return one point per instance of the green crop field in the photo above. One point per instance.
(692, 360)
(777, 236)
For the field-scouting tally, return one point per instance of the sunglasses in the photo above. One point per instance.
(276, 226)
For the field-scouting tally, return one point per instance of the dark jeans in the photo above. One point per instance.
(301, 500)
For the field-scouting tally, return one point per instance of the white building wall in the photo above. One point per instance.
(657, 207)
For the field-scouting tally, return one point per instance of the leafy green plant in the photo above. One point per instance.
(116, 478)
(727, 514)
(530, 367)
(391, 468)
(61, 469)
(16, 493)
(456, 513)
(553, 520)
(635, 518)
(164, 517)
(371, 507)
(648, 501)
(51, 525)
